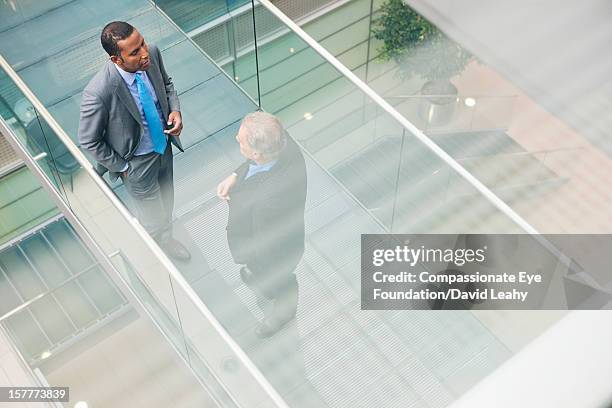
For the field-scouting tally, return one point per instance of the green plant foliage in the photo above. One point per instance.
(416, 45)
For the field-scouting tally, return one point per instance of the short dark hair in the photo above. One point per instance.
(113, 32)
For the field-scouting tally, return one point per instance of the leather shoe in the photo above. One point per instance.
(270, 325)
(284, 311)
(247, 276)
(176, 250)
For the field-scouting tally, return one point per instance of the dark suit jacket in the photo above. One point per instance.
(266, 213)
(110, 126)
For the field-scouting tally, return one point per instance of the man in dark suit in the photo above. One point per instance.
(130, 115)
(265, 228)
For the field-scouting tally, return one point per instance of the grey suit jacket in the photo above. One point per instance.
(110, 126)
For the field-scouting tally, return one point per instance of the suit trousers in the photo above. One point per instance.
(150, 184)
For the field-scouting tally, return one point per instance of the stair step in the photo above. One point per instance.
(478, 143)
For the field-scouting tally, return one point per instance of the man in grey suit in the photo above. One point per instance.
(130, 116)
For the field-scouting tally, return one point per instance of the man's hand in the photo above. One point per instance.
(176, 121)
(225, 186)
(124, 174)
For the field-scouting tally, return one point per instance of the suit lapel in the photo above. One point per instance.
(156, 80)
(122, 91)
(155, 77)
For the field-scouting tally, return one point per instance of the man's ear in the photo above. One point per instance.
(117, 60)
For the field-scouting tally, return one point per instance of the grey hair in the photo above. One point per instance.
(265, 133)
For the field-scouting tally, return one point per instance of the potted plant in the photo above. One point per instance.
(420, 48)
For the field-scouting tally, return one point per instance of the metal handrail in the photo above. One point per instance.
(437, 150)
(188, 347)
(141, 232)
(240, 10)
(305, 151)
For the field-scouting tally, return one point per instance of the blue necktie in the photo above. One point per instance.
(152, 116)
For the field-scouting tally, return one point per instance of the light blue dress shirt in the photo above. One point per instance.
(146, 143)
(258, 168)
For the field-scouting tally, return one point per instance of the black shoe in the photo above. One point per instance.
(176, 250)
(247, 276)
(271, 325)
(284, 311)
